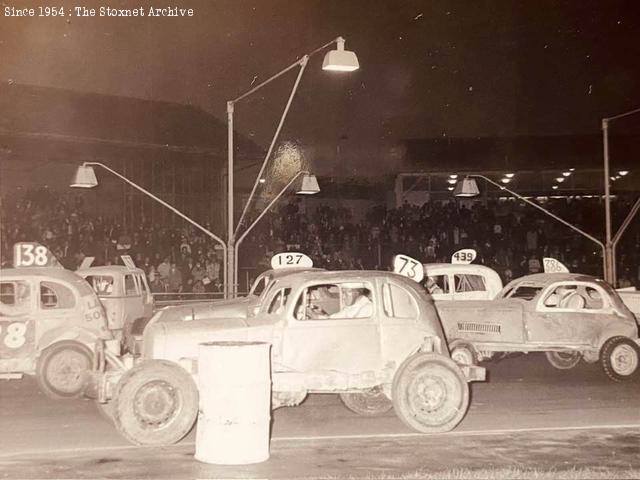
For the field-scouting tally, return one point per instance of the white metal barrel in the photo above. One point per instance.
(234, 379)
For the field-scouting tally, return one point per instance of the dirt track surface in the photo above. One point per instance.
(548, 450)
(528, 415)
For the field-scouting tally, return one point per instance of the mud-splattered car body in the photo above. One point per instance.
(50, 319)
(332, 351)
(566, 315)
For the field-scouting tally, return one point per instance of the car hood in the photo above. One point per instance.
(177, 332)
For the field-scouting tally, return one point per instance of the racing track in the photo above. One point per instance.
(524, 395)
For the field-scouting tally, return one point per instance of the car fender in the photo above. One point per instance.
(75, 334)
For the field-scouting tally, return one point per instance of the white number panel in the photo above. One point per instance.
(291, 260)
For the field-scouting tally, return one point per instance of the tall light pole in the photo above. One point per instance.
(85, 177)
(340, 60)
(467, 187)
(609, 252)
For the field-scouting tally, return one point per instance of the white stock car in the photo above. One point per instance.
(391, 354)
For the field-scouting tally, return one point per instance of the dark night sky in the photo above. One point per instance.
(428, 68)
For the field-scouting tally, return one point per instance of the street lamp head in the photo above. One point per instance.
(85, 177)
(467, 187)
(309, 185)
(340, 60)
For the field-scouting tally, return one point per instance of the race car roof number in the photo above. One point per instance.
(128, 262)
(32, 254)
(551, 265)
(290, 260)
(464, 256)
(409, 267)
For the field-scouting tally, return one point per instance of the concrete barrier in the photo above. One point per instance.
(234, 379)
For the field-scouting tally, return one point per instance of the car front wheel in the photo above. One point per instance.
(430, 393)
(62, 368)
(155, 403)
(620, 358)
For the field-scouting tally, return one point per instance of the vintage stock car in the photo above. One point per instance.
(125, 295)
(372, 337)
(568, 316)
(50, 319)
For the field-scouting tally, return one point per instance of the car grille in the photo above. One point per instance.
(478, 327)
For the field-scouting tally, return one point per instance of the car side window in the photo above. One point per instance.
(575, 297)
(56, 296)
(348, 300)
(436, 284)
(14, 298)
(130, 288)
(398, 303)
(279, 301)
(469, 283)
(101, 284)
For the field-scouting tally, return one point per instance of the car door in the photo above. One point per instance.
(17, 326)
(146, 299)
(569, 313)
(57, 308)
(329, 342)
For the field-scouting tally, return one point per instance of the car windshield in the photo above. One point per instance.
(523, 292)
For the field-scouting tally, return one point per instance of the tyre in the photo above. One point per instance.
(564, 360)
(620, 358)
(430, 393)
(155, 403)
(368, 403)
(463, 354)
(61, 369)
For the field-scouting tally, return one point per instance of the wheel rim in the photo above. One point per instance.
(427, 393)
(155, 404)
(462, 356)
(624, 360)
(66, 370)
(566, 356)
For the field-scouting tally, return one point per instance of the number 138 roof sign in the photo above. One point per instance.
(464, 256)
(409, 267)
(290, 260)
(32, 254)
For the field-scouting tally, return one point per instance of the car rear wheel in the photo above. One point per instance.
(368, 403)
(564, 360)
(620, 358)
(155, 403)
(61, 369)
(430, 393)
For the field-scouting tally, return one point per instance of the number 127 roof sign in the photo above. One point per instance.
(32, 254)
(290, 260)
(409, 267)
(466, 255)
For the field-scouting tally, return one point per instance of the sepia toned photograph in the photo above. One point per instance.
(320, 239)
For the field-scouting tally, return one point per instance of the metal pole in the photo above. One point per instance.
(607, 205)
(303, 65)
(543, 210)
(616, 238)
(262, 214)
(162, 202)
(229, 261)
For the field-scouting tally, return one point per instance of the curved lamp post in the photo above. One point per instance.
(309, 186)
(610, 245)
(85, 177)
(338, 60)
(467, 187)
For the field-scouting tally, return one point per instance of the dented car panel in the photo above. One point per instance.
(310, 354)
(542, 312)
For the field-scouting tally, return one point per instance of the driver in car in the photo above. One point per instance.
(356, 304)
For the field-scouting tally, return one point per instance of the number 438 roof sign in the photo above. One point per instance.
(32, 254)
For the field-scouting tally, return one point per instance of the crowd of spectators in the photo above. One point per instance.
(509, 237)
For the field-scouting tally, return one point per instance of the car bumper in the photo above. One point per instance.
(474, 373)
